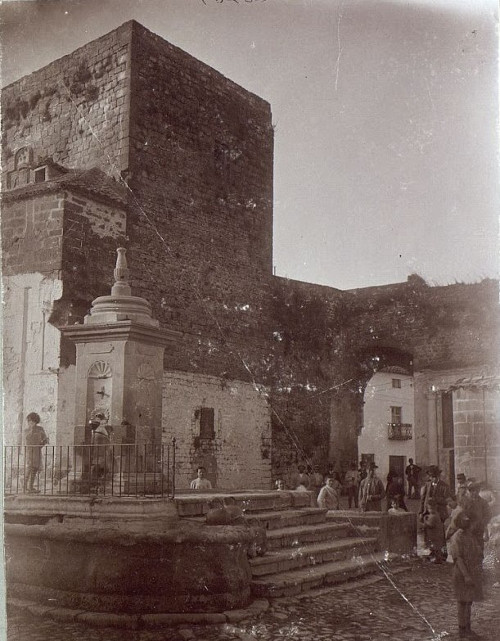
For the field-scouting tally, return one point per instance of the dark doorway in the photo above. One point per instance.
(397, 465)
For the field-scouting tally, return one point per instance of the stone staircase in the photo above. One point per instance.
(307, 550)
(307, 547)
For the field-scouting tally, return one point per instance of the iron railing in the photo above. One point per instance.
(400, 431)
(113, 470)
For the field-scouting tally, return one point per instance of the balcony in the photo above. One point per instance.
(400, 431)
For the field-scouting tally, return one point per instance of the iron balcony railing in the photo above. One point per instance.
(400, 431)
(110, 470)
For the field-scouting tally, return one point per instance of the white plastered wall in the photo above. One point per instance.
(31, 354)
(379, 397)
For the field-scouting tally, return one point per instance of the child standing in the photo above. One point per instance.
(434, 532)
(467, 572)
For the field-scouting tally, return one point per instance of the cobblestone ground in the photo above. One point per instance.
(414, 605)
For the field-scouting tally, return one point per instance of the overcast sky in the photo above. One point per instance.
(385, 114)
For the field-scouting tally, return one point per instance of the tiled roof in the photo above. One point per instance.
(89, 181)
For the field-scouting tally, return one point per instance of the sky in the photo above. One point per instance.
(385, 119)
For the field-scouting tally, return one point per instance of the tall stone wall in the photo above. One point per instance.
(74, 110)
(200, 230)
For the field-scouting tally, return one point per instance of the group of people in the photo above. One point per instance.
(361, 486)
(457, 525)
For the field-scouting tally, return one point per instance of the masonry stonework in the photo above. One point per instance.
(148, 148)
(237, 455)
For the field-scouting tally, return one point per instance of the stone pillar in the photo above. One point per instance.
(119, 364)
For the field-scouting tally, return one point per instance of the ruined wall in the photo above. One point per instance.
(238, 455)
(441, 327)
(74, 110)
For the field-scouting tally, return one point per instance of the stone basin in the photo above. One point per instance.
(152, 565)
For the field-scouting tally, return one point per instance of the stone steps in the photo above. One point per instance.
(367, 524)
(290, 518)
(314, 554)
(293, 537)
(307, 547)
(290, 583)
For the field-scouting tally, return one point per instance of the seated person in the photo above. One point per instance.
(200, 482)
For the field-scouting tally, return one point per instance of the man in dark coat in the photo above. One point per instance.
(371, 491)
(412, 473)
(479, 513)
(437, 489)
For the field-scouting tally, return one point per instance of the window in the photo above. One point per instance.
(396, 414)
(40, 175)
(447, 418)
(396, 383)
(207, 423)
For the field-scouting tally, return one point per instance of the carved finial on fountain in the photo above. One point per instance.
(121, 274)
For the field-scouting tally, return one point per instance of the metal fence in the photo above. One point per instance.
(110, 470)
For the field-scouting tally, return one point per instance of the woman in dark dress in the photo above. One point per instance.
(467, 572)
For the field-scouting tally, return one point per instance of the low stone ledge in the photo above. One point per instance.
(152, 621)
(109, 620)
(138, 621)
(254, 609)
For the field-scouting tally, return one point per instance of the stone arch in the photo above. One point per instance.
(347, 407)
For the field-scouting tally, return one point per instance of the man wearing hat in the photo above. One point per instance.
(437, 489)
(479, 513)
(462, 490)
(371, 491)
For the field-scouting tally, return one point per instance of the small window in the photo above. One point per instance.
(207, 423)
(396, 382)
(40, 175)
(396, 414)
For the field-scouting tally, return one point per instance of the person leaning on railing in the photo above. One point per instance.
(35, 440)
